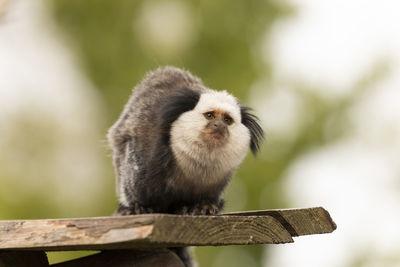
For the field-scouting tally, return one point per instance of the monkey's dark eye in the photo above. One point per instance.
(228, 120)
(209, 115)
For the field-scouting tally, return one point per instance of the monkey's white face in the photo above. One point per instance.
(210, 138)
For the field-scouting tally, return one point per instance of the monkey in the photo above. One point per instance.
(177, 144)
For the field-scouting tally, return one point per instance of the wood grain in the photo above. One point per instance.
(298, 222)
(163, 230)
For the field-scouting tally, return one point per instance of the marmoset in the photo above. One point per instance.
(177, 144)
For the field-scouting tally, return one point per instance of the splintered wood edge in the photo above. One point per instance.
(297, 222)
(140, 231)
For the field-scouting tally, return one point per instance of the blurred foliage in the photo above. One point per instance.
(117, 42)
(226, 33)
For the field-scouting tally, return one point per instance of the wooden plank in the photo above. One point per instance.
(23, 259)
(297, 222)
(118, 258)
(140, 231)
(73, 234)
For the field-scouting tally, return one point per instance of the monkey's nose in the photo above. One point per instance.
(218, 125)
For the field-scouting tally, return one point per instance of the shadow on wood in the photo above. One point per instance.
(23, 259)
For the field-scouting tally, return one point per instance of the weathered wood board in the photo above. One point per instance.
(163, 230)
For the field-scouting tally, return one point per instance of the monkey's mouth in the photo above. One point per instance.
(217, 134)
(214, 137)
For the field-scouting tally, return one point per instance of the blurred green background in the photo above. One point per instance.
(115, 43)
(216, 40)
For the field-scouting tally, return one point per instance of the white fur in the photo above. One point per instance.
(122, 196)
(197, 161)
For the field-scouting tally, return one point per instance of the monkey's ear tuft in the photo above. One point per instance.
(182, 100)
(256, 132)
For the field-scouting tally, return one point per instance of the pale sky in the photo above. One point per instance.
(330, 45)
(41, 82)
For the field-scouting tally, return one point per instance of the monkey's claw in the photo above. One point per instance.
(209, 209)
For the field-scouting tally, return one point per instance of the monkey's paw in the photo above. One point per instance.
(136, 209)
(200, 209)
